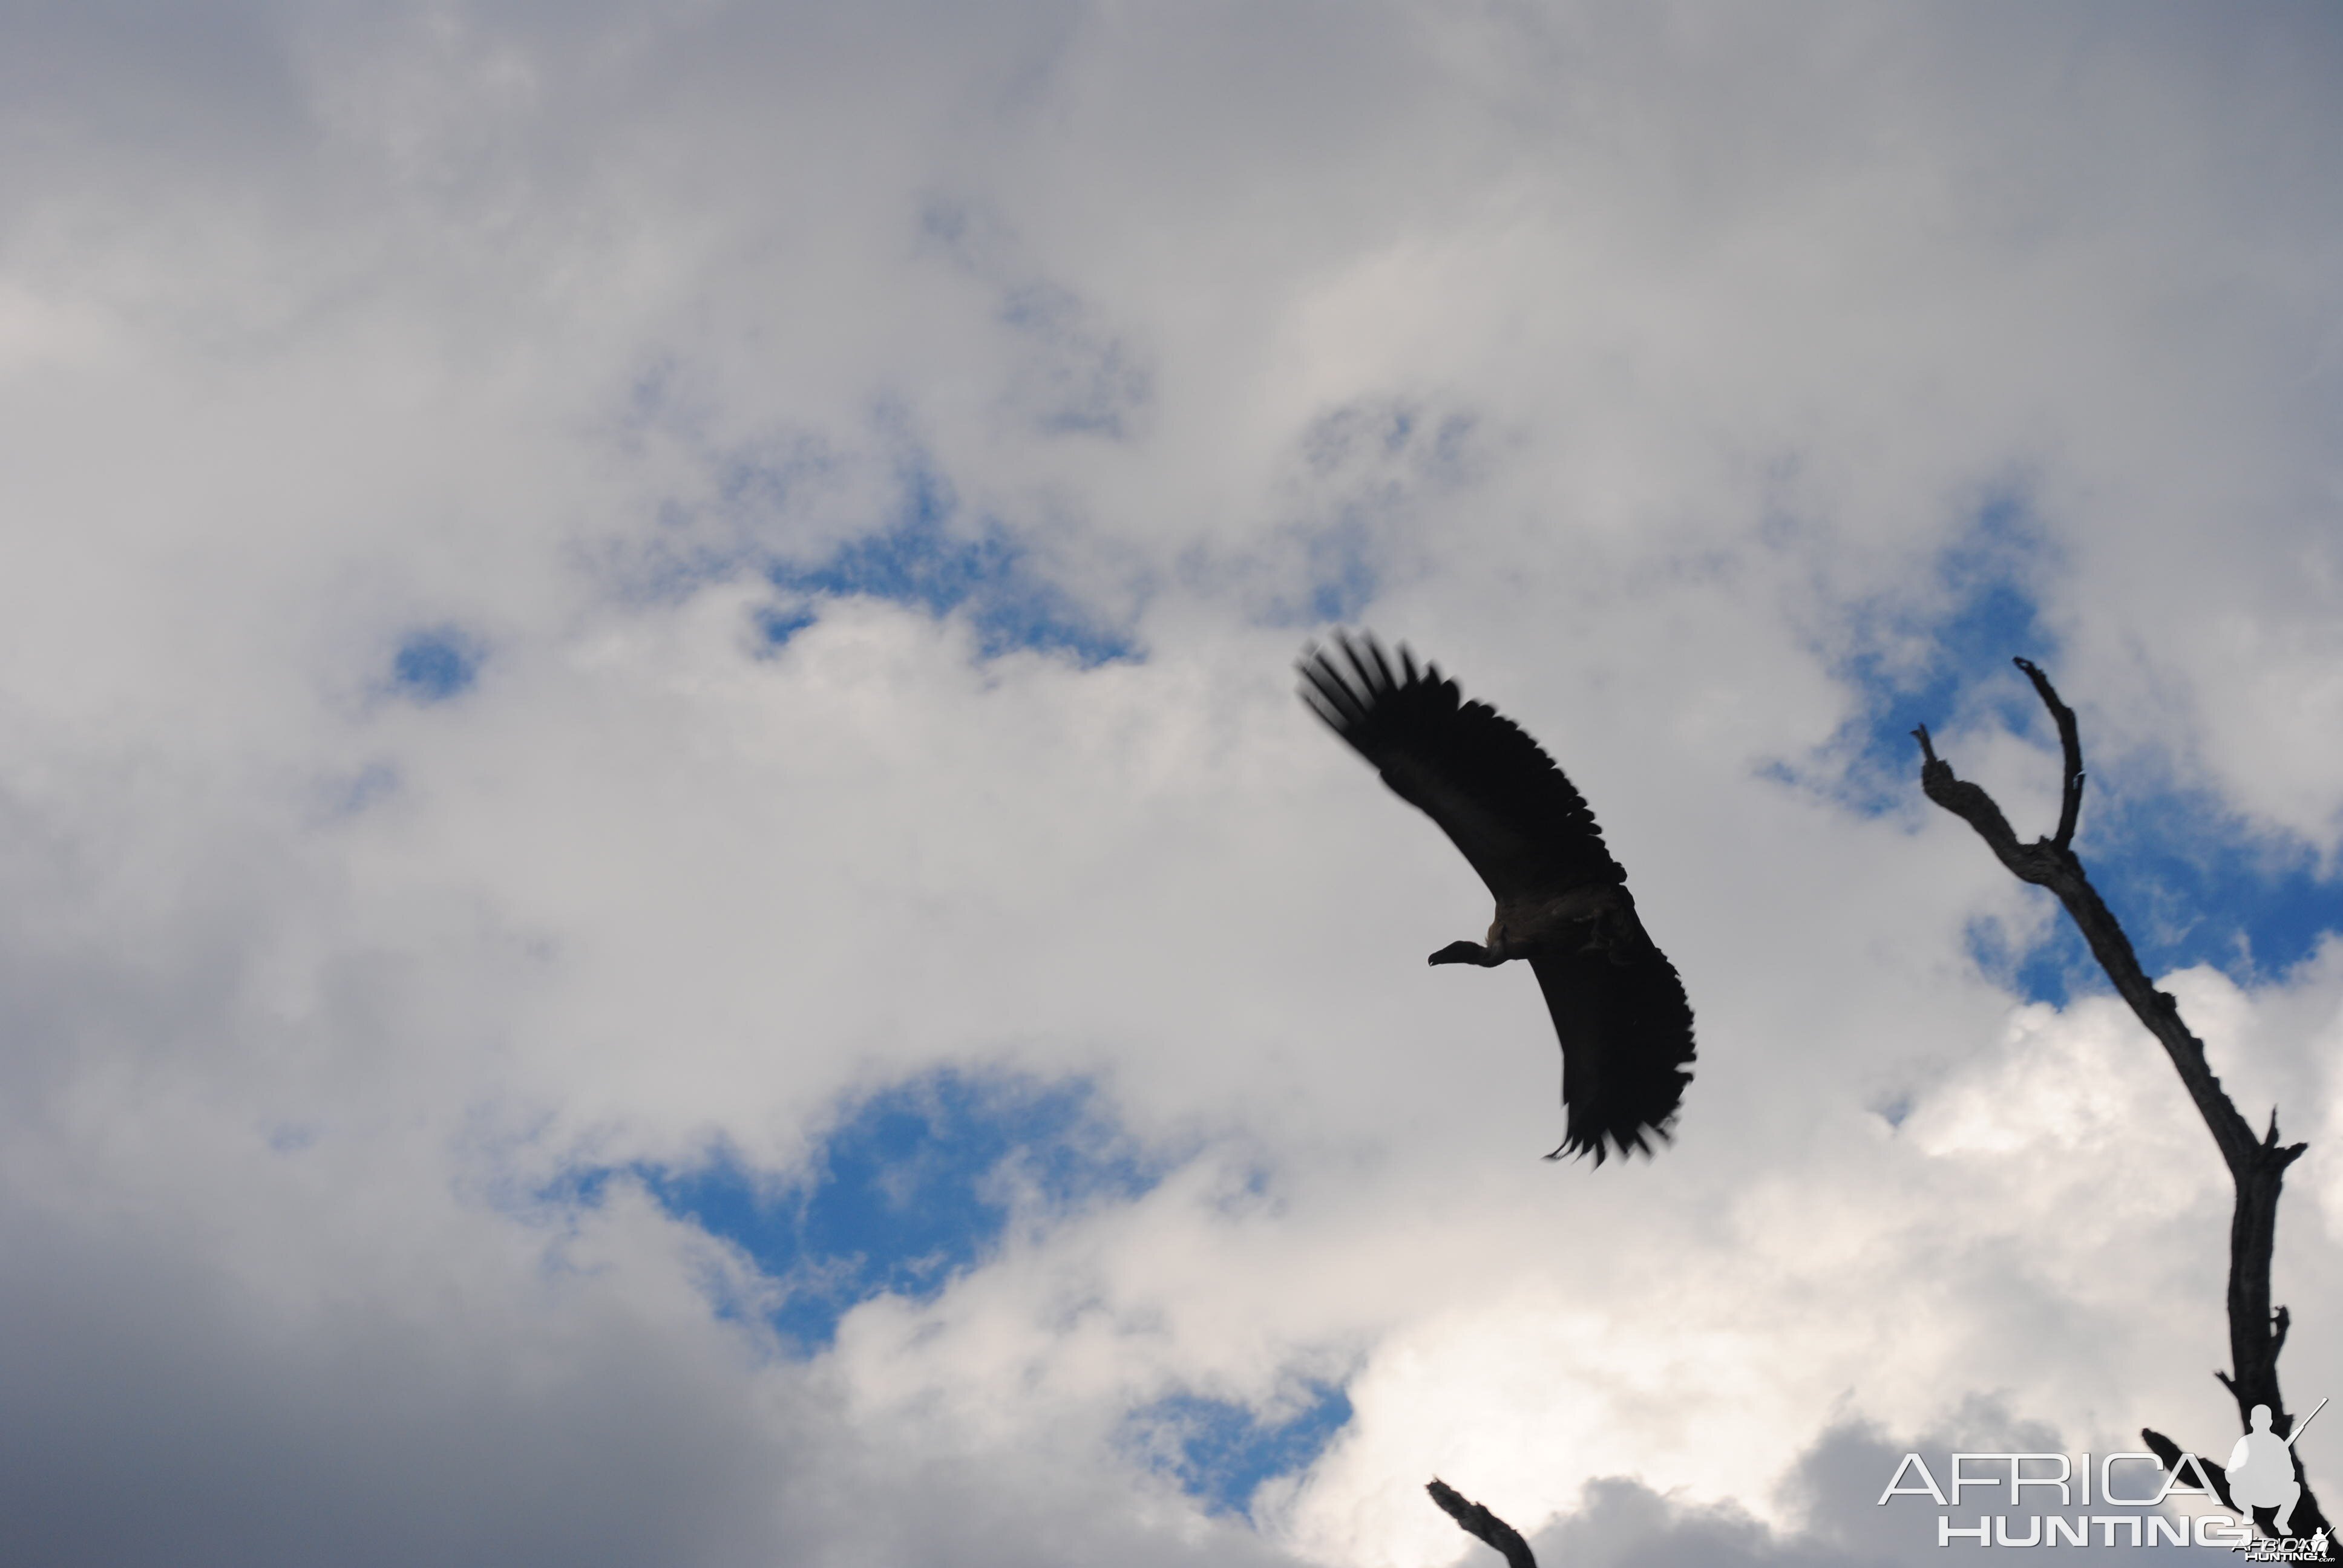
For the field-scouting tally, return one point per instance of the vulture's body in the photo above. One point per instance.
(1562, 904)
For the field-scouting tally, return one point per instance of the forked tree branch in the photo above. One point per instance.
(1477, 1521)
(2257, 1165)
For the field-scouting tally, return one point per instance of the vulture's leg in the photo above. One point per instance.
(1466, 953)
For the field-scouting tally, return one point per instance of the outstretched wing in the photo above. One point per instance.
(1619, 1009)
(1493, 792)
(1625, 1028)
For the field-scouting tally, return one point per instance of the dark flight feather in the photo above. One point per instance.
(1619, 1009)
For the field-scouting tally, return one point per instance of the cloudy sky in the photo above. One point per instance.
(663, 899)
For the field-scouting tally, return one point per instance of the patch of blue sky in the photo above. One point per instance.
(777, 625)
(435, 665)
(913, 1187)
(2195, 884)
(1220, 1452)
(983, 573)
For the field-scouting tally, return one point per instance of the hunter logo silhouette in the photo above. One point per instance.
(2261, 1468)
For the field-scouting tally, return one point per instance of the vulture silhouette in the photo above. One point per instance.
(1618, 1007)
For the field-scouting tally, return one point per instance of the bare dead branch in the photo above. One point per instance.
(1482, 1525)
(2070, 742)
(2257, 1165)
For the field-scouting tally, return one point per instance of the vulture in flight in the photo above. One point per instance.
(1561, 900)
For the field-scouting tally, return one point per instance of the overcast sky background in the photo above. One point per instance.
(663, 899)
